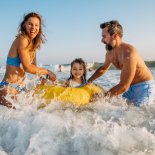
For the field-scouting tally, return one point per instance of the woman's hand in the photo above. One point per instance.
(43, 80)
(51, 76)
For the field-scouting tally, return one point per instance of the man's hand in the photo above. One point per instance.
(107, 94)
(88, 82)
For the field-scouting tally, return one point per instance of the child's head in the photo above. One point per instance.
(78, 69)
(31, 26)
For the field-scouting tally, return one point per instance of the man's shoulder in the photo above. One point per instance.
(129, 49)
(128, 46)
(129, 52)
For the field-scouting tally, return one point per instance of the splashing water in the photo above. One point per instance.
(106, 127)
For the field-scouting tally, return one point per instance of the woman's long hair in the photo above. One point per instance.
(40, 38)
(81, 62)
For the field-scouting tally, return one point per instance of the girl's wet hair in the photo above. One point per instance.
(81, 62)
(40, 38)
(113, 27)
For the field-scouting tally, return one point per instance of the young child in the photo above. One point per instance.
(78, 73)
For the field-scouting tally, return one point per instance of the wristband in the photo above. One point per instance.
(47, 76)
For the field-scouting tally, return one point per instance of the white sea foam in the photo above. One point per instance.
(106, 127)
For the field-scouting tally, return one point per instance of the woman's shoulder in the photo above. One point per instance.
(17, 42)
(22, 37)
(22, 40)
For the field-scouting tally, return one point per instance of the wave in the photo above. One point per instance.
(107, 126)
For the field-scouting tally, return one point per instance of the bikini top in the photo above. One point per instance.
(15, 61)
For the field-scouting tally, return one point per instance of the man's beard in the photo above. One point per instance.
(108, 47)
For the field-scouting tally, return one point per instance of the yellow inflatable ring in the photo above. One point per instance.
(78, 96)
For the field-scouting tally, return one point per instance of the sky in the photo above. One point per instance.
(72, 27)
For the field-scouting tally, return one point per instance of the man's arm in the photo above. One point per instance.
(127, 75)
(101, 70)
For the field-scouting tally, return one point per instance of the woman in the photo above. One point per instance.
(22, 57)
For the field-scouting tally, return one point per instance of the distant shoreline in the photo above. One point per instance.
(148, 63)
(96, 65)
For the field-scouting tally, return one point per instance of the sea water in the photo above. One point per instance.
(106, 127)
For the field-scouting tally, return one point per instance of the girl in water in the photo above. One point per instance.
(78, 73)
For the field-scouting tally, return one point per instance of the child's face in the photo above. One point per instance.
(77, 70)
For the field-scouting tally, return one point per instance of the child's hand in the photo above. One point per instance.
(55, 82)
(65, 84)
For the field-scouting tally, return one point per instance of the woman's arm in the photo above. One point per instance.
(26, 60)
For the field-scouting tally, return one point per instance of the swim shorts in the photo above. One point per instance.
(141, 93)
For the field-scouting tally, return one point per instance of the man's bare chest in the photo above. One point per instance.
(116, 60)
